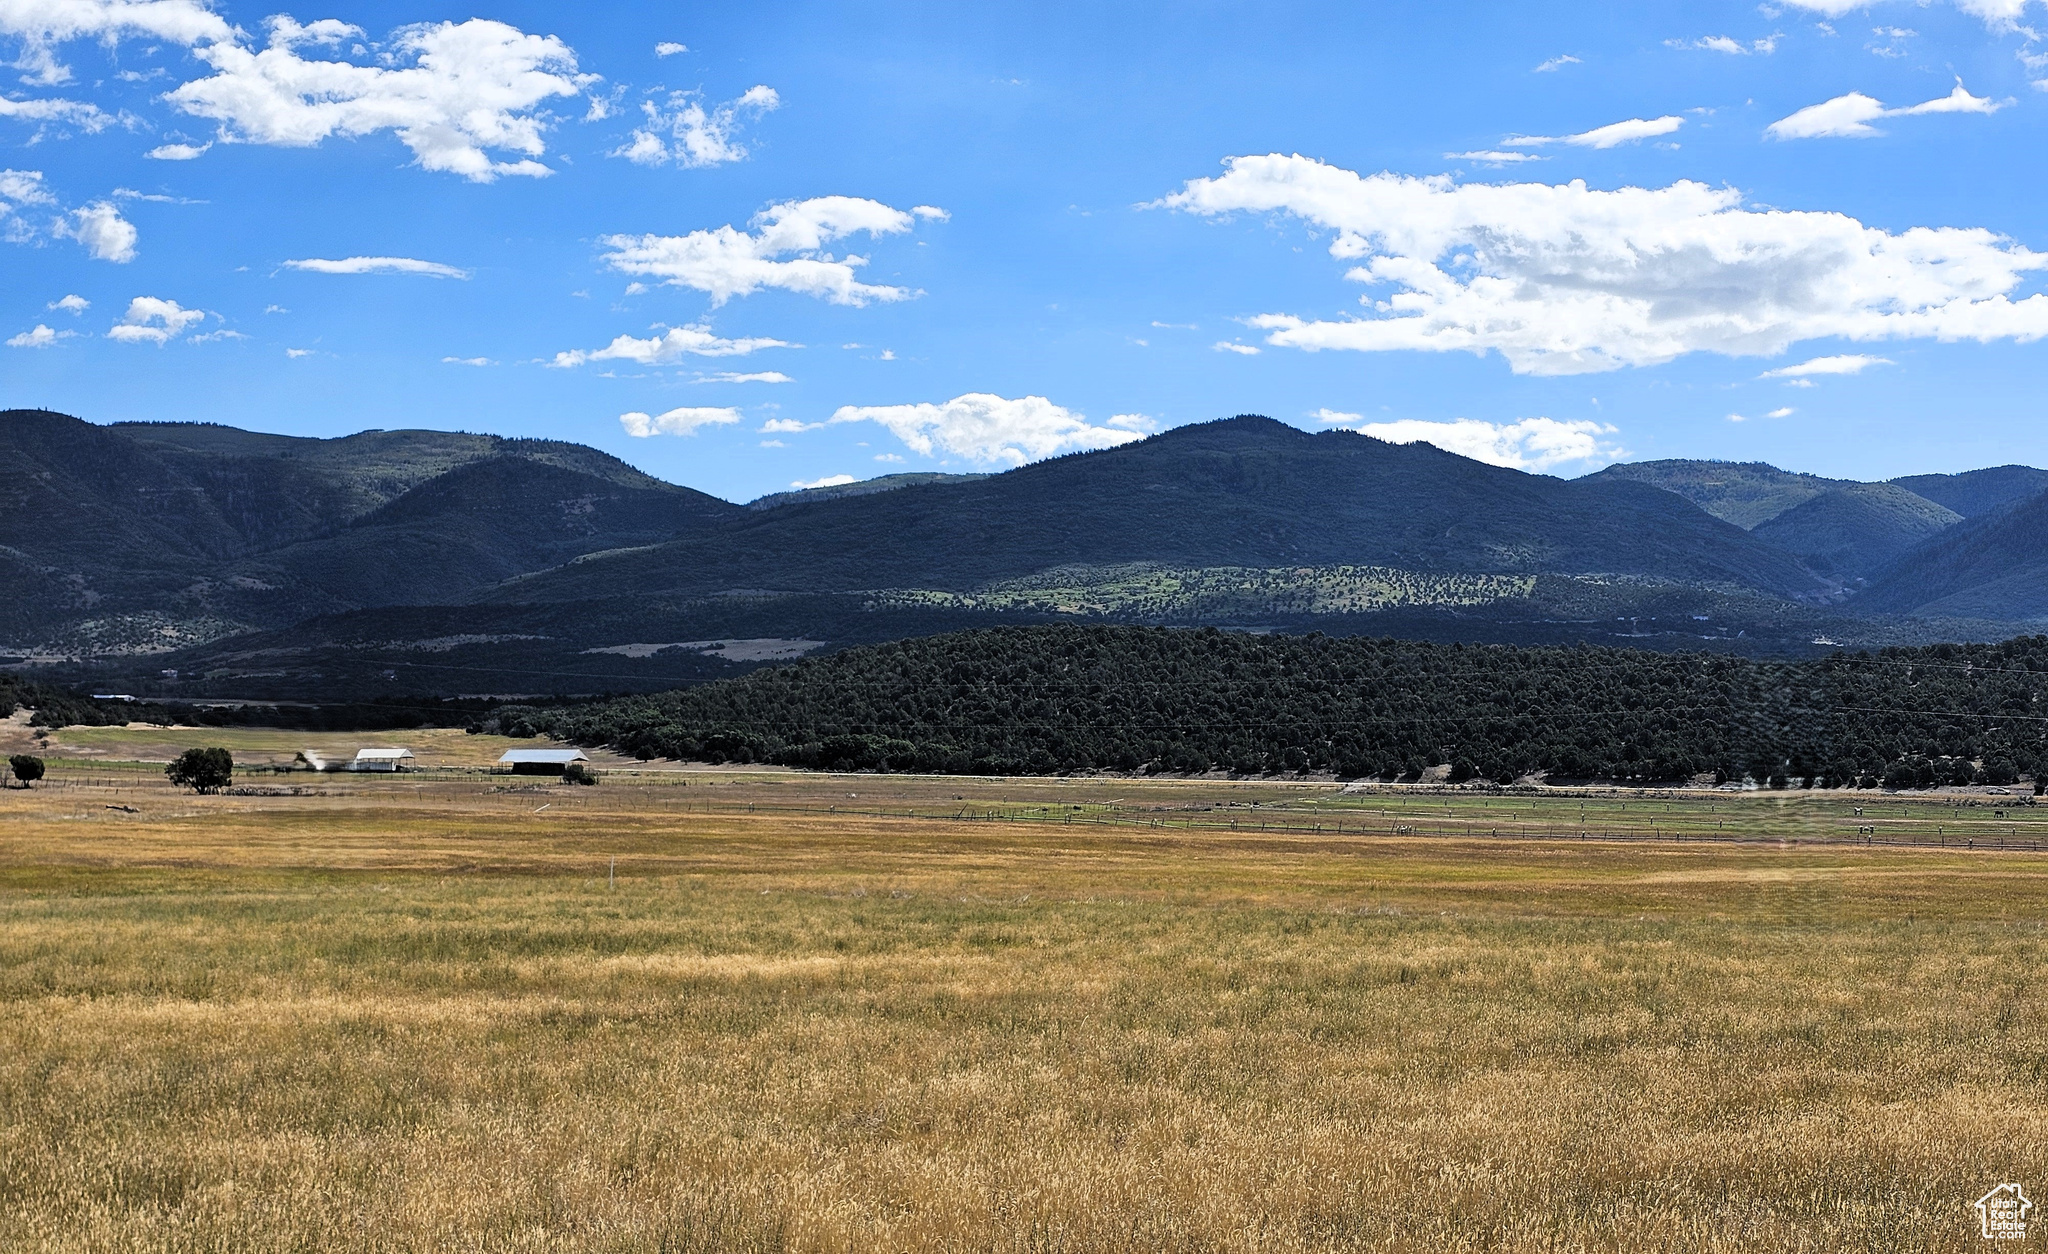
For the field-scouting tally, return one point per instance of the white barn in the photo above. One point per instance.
(381, 760)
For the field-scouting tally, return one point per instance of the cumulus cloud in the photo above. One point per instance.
(1609, 136)
(690, 135)
(829, 481)
(100, 227)
(467, 361)
(40, 337)
(684, 421)
(728, 262)
(788, 426)
(73, 304)
(669, 49)
(150, 320)
(1850, 116)
(1242, 350)
(177, 152)
(1531, 444)
(1566, 280)
(758, 376)
(23, 187)
(988, 429)
(1846, 363)
(452, 92)
(375, 265)
(672, 345)
(43, 24)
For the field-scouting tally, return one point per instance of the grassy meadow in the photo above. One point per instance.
(701, 1010)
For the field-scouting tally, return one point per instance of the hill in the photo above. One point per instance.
(1842, 530)
(139, 529)
(1995, 564)
(1977, 492)
(1244, 491)
(1851, 532)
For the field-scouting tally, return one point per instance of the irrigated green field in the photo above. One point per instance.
(703, 1011)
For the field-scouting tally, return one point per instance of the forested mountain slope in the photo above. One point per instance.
(1244, 491)
(1976, 492)
(1995, 564)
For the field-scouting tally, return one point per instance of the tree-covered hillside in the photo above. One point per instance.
(1057, 699)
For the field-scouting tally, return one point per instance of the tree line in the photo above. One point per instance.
(1064, 699)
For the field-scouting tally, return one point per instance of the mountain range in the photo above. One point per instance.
(440, 562)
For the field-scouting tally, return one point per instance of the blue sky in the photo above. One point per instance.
(749, 246)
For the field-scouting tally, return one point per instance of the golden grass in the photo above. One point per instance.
(415, 1014)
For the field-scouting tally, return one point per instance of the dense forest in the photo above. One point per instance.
(54, 706)
(1044, 700)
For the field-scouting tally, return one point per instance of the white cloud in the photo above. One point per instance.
(1567, 280)
(1555, 64)
(987, 429)
(729, 262)
(1850, 116)
(177, 152)
(788, 426)
(1847, 363)
(43, 24)
(1143, 424)
(669, 49)
(932, 212)
(673, 345)
(1786, 412)
(85, 117)
(1531, 444)
(467, 361)
(23, 187)
(40, 337)
(758, 376)
(73, 304)
(150, 320)
(1336, 417)
(893, 458)
(2000, 15)
(375, 265)
(689, 135)
(829, 481)
(676, 421)
(296, 353)
(1722, 43)
(100, 227)
(1242, 350)
(1494, 158)
(451, 92)
(1609, 136)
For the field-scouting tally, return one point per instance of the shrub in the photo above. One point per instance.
(26, 767)
(577, 773)
(202, 770)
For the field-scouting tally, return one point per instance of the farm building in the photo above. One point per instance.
(541, 761)
(381, 760)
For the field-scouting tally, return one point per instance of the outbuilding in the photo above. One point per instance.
(541, 761)
(381, 759)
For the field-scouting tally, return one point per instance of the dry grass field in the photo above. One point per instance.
(698, 1010)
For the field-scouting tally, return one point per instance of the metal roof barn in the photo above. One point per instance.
(541, 761)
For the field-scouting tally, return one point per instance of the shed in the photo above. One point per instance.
(381, 760)
(541, 761)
